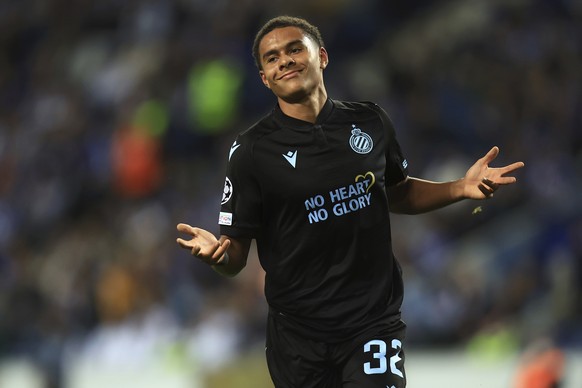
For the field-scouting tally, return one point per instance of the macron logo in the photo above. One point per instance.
(291, 157)
(232, 149)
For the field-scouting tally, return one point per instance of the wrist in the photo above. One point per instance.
(458, 191)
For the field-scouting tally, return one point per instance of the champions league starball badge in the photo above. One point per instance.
(227, 193)
(360, 141)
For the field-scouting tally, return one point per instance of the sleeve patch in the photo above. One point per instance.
(225, 218)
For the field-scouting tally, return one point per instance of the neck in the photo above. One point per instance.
(306, 109)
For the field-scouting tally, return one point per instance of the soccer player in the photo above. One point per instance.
(313, 183)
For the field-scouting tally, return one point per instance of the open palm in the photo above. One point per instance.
(203, 244)
(481, 181)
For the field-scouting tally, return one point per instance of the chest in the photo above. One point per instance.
(339, 162)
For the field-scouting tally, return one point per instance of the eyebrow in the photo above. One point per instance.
(275, 51)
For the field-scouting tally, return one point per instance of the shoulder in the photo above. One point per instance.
(265, 126)
(358, 108)
(244, 144)
(366, 110)
(354, 105)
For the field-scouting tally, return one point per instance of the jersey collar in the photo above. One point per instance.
(286, 121)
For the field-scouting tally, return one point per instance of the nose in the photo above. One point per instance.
(286, 61)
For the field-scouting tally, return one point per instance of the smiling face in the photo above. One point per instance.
(292, 64)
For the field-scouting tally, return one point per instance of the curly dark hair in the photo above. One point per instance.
(281, 22)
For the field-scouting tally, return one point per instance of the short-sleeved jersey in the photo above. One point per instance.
(314, 198)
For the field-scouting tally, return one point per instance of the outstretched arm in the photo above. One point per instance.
(414, 196)
(226, 255)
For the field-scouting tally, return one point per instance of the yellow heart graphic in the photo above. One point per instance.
(367, 174)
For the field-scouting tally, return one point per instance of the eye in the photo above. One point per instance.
(271, 59)
(296, 50)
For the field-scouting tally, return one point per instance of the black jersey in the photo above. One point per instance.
(314, 198)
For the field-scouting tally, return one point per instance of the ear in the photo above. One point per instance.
(264, 79)
(323, 58)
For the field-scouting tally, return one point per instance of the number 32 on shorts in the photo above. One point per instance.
(379, 365)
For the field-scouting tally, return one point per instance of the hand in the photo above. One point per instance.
(203, 244)
(481, 181)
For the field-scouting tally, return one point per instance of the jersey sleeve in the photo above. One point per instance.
(396, 163)
(240, 208)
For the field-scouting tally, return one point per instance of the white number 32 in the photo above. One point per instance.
(380, 365)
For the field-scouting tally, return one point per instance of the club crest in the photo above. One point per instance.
(360, 141)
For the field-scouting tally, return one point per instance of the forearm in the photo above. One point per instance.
(415, 196)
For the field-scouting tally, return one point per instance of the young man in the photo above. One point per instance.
(313, 182)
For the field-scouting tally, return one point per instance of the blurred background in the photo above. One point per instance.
(115, 121)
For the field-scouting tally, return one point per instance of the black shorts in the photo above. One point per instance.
(373, 359)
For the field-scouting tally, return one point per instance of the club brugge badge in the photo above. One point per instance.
(360, 141)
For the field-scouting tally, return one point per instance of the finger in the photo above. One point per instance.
(506, 180)
(499, 179)
(184, 243)
(512, 167)
(486, 190)
(185, 228)
(195, 250)
(221, 250)
(491, 155)
(490, 184)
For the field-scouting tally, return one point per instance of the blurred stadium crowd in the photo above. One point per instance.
(116, 117)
